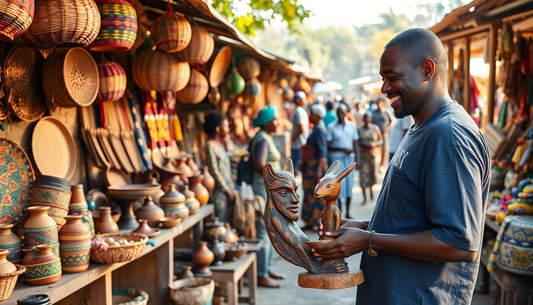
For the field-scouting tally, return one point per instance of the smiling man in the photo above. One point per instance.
(424, 239)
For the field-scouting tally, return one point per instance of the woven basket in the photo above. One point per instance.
(200, 49)
(252, 87)
(16, 17)
(159, 71)
(21, 74)
(171, 33)
(196, 90)
(70, 78)
(249, 68)
(8, 281)
(63, 23)
(119, 26)
(120, 254)
(142, 25)
(113, 81)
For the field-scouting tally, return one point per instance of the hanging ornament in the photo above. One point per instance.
(113, 81)
(171, 33)
(234, 83)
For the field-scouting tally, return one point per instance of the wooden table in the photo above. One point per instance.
(152, 272)
(232, 272)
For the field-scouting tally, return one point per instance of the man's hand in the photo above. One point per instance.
(348, 241)
(345, 223)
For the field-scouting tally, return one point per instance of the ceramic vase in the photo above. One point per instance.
(202, 258)
(215, 229)
(105, 223)
(200, 192)
(90, 203)
(45, 268)
(29, 255)
(160, 192)
(186, 273)
(145, 229)
(53, 192)
(190, 201)
(231, 235)
(208, 181)
(5, 265)
(182, 168)
(192, 165)
(11, 242)
(173, 179)
(41, 229)
(79, 206)
(151, 212)
(75, 245)
(173, 204)
(218, 250)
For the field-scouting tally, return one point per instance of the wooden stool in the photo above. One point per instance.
(232, 272)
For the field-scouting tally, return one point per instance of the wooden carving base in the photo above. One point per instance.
(348, 279)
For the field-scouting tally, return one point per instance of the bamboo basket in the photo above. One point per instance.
(142, 25)
(113, 81)
(249, 68)
(16, 17)
(196, 89)
(120, 254)
(171, 33)
(199, 49)
(8, 281)
(63, 23)
(159, 71)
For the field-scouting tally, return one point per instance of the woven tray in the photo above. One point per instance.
(120, 254)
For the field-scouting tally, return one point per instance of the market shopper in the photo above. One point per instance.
(331, 115)
(384, 119)
(370, 139)
(264, 150)
(424, 238)
(300, 126)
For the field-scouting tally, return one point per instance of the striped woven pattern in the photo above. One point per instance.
(171, 33)
(63, 23)
(159, 71)
(113, 81)
(196, 90)
(15, 18)
(119, 26)
(249, 68)
(199, 49)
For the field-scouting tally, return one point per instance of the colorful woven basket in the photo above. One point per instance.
(200, 49)
(196, 90)
(15, 18)
(249, 68)
(113, 81)
(63, 23)
(119, 26)
(160, 71)
(171, 33)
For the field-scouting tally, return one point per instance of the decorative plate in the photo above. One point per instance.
(16, 176)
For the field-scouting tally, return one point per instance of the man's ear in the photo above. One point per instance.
(428, 69)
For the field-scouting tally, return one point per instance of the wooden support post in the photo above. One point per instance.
(165, 267)
(100, 291)
(449, 77)
(467, 91)
(493, 42)
(252, 282)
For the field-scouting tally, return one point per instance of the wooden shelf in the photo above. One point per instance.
(493, 224)
(70, 283)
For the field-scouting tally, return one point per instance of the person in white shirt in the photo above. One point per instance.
(399, 129)
(300, 128)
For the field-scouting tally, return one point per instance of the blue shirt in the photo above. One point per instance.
(341, 137)
(330, 116)
(438, 180)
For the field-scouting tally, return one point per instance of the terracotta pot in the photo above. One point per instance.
(159, 194)
(29, 255)
(190, 201)
(231, 236)
(173, 204)
(45, 268)
(90, 203)
(40, 229)
(78, 206)
(202, 258)
(186, 273)
(151, 212)
(200, 192)
(208, 182)
(145, 229)
(75, 245)
(215, 229)
(11, 242)
(181, 167)
(5, 265)
(173, 179)
(192, 165)
(105, 223)
(218, 250)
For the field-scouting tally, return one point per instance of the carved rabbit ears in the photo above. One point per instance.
(288, 168)
(334, 168)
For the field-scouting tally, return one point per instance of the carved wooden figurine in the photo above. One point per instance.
(281, 214)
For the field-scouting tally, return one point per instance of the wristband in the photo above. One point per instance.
(371, 250)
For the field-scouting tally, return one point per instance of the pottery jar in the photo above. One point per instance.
(41, 229)
(145, 229)
(171, 179)
(78, 206)
(11, 242)
(186, 273)
(200, 192)
(192, 165)
(151, 212)
(75, 245)
(173, 204)
(181, 167)
(5, 265)
(90, 202)
(208, 181)
(45, 268)
(160, 192)
(202, 258)
(190, 201)
(29, 255)
(218, 250)
(105, 223)
(231, 236)
(35, 299)
(214, 229)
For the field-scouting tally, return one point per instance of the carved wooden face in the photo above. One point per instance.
(282, 188)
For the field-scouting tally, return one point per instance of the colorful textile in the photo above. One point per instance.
(367, 167)
(220, 168)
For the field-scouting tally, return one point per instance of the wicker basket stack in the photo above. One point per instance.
(159, 71)
(15, 18)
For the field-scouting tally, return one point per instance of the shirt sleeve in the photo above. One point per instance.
(213, 168)
(329, 132)
(297, 118)
(321, 143)
(261, 149)
(453, 190)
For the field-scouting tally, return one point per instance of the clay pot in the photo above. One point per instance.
(192, 165)
(41, 229)
(202, 258)
(186, 273)
(190, 201)
(208, 181)
(231, 236)
(11, 242)
(53, 192)
(159, 194)
(75, 245)
(90, 203)
(29, 255)
(105, 223)
(181, 167)
(200, 192)
(173, 204)
(145, 229)
(215, 229)
(5, 265)
(218, 250)
(172, 179)
(35, 299)
(78, 206)
(45, 268)
(151, 212)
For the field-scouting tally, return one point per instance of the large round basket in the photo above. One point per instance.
(192, 291)
(159, 71)
(200, 49)
(130, 296)
(120, 254)
(113, 81)
(8, 281)
(249, 68)
(119, 26)
(63, 23)
(16, 17)
(70, 78)
(195, 91)
(142, 25)
(171, 33)
(22, 72)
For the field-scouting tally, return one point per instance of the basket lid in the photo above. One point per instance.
(81, 76)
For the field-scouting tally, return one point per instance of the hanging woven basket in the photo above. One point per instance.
(160, 71)
(252, 87)
(249, 68)
(63, 23)
(234, 83)
(113, 81)
(142, 25)
(199, 49)
(196, 89)
(15, 18)
(171, 33)
(119, 26)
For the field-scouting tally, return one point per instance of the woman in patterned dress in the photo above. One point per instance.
(217, 127)
(370, 139)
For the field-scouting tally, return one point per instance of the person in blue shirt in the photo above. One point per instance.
(331, 115)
